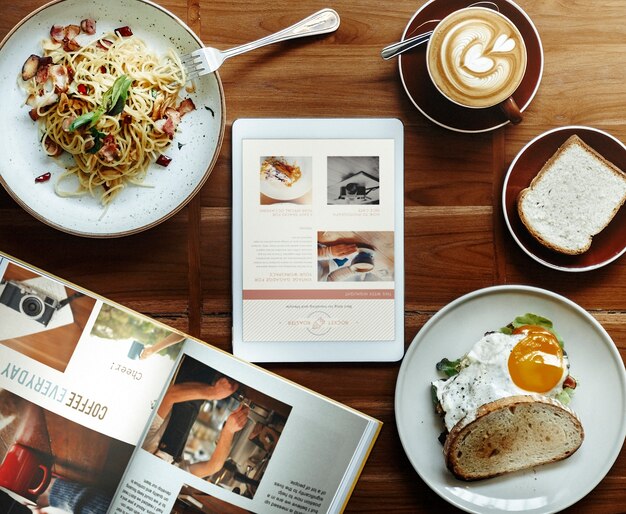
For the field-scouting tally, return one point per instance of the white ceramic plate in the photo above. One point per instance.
(194, 149)
(278, 191)
(600, 401)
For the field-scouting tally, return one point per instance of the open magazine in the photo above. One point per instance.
(103, 408)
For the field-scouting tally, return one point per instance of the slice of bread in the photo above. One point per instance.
(573, 197)
(511, 434)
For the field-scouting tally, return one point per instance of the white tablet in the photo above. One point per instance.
(318, 239)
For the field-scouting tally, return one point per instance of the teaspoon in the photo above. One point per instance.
(402, 46)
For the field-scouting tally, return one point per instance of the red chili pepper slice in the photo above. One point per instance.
(163, 160)
(43, 178)
(82, 89)
(124, 31)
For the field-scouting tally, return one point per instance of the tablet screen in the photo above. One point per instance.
(317, 238)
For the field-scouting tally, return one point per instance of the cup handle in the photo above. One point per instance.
(45, 481)
(511, 110)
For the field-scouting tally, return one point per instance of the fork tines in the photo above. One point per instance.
(193, 64)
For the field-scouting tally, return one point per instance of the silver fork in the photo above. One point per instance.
(208, 59)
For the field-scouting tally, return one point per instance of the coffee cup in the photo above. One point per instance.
(25, 471)
(476, 57)
(362, 262)
(135, 350)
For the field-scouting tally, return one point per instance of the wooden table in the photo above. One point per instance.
(456, 240)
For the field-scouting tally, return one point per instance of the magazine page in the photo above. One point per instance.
(229, 437)
(320, 245)
(78, 381)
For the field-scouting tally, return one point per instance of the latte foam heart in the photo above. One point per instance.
(504, 44)
(475, 61)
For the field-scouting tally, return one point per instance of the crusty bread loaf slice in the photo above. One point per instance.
(573, 197)
(511, 434)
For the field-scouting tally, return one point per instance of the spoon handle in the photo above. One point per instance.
(402, 46)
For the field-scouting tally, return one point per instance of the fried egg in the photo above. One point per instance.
(529, 361)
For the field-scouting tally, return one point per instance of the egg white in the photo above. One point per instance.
(484, 378)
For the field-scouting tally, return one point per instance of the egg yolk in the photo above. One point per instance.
(536, 362)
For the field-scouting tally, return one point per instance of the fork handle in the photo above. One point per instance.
(321, 22)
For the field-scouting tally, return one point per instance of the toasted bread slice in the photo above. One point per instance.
(511, 434)
(574, 196)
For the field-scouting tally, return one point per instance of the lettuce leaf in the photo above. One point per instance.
(531, 319)
(448, 367)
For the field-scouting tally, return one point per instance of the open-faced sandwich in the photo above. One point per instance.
(504, 404)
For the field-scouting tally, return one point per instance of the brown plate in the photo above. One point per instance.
(609, 244)
(431, 103)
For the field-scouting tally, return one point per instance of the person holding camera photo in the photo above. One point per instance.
(181, 392)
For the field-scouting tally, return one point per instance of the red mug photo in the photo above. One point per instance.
(25, 471)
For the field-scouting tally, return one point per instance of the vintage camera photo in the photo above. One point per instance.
(41, 317)
(29, 301)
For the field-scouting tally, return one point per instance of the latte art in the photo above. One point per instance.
(476, 57)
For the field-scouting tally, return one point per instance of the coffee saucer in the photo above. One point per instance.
(606, 246)
(431, 103)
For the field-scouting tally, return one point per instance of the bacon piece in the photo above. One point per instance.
(186, 106)
(168, 127)
(43, 70)
(60, 77)
(42, 74)
(45, 61)
(57, 33)
(70, 45)
(43, 100)
(66, 35)
(30, 67)
(34, 115)
(171, 122)
(88, 26)
(52, 149)
(71, 31)
(67, 122)
(109, 150)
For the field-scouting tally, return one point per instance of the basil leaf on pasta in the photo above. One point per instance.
(89, 118)
(118, 96)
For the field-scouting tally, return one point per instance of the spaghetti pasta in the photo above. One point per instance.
(111, 104)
